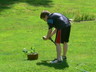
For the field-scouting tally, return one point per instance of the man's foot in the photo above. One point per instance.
(55, 61)
(64, 57)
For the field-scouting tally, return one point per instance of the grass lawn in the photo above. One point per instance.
(18, 33)
(21, 27)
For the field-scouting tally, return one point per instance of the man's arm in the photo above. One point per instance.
(53, 32)
(48, 34)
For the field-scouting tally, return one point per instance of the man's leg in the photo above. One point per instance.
(65, 48)
(58, 49)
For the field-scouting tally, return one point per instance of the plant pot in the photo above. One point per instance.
(32, 56)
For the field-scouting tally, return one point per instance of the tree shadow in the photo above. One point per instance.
(62, 65)
(6, 4)
(39, 2)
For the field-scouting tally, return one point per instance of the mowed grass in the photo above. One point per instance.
(30, 7)
(18, 33)
(21, 27)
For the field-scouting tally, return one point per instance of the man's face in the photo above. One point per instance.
(45, 19)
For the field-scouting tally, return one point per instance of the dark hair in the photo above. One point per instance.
(44, 13)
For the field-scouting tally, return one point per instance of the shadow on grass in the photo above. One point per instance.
(6, 4)
(62, 65)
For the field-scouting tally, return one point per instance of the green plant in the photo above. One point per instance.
(84, 17)
(31, 51)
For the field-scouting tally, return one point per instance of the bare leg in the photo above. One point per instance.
(65, 48)
(58, 49)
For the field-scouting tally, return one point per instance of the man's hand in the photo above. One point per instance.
(45, 38)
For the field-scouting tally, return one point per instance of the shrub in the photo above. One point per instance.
(84, 17)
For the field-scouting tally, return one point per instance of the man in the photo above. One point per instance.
(62, 27)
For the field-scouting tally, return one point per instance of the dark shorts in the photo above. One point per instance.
(63, 35)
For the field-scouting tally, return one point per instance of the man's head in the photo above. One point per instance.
(44, 15)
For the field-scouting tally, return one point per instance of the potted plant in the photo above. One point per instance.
(31, 54)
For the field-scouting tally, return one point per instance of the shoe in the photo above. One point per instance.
(55, 61)
(64, 57)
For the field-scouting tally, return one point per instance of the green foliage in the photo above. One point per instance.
(31, 51)
(84, 17)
